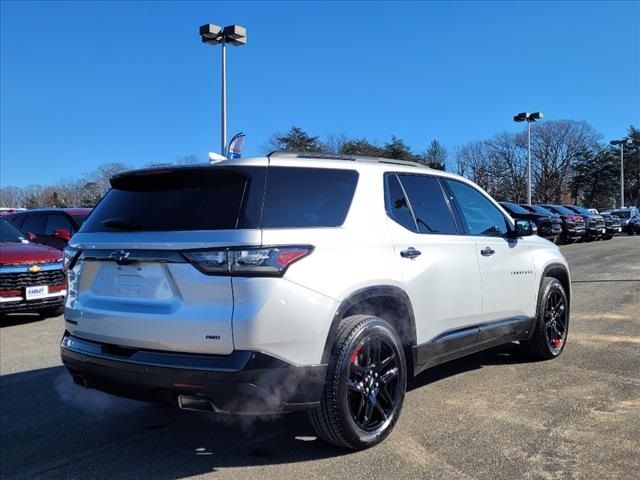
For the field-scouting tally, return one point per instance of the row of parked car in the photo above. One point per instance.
(32, 277)
(564, 224)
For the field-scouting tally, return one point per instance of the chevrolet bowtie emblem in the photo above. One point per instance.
(120, 256)
(34, 268)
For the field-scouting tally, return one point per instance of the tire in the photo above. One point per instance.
(52, 312)
(552, 321)
(352, 386)
(607, 237)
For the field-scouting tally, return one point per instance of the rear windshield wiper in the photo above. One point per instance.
(121, 223)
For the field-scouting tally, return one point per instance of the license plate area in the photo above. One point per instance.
(139, 281)
(36, 292)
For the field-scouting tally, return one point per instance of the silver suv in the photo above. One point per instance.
(301, 282)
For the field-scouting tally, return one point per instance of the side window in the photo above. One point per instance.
(396, 203)
(18, 220)
(480, 215)
(307, 197)
(34, 224)
(58, 222)
(428, 203)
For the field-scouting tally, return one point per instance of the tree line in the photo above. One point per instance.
(569, 161)
(85, 191)
(570, 164)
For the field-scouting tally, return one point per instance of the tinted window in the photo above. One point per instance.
(17, 220)
(578, 209)
(80, 218)
(428, 203)
(307, 197)
(35, 224)
(199, 198)
(480, 215)
(538, 209)
(9, 233)
(513, 208)
(622, 214)
(559, 209)
(396, 203)
(58, 222)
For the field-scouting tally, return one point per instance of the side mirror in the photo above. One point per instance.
(525, 228)
(31, 237)
(62, 233)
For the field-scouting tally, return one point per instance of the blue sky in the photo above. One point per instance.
(89, 83)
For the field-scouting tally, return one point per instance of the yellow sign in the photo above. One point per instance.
(34, 268)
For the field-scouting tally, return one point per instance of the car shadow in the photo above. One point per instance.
(508, 354)
(53, 428)
(16, 319)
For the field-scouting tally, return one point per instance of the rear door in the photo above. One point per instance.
(506, 265)
(146, 273)
(438, 262)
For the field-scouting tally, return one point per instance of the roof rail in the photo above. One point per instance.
(346, 157)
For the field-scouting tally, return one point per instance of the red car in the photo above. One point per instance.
(32, 278)
(51, 226)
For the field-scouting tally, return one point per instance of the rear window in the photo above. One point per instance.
(80, 218)
(224, 198)
(202, 198)
(307, 197)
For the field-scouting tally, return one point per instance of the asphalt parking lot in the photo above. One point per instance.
(494, 415)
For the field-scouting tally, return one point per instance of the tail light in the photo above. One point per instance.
(70, 256)
(259, 261)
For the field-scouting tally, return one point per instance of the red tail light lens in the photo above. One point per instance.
(260, 261)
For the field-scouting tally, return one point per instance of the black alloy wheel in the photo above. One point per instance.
(365, 384)
(551, 327)
(372, 383)
(555, 320)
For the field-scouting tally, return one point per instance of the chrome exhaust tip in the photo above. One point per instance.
(198, 404)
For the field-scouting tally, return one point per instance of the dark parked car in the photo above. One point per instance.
(549, 224)
(51, 226)
(629, 218)
(594, 222)
(612, 224)
(31, 275)
(573, 226)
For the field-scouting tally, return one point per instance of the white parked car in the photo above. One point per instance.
(301, 282)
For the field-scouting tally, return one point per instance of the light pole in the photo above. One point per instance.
(622, 143)
(528, 117)
(213, 35)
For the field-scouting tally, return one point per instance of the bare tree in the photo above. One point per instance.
(555, 146)
(101, 175)
(188, 159)
(11, 197)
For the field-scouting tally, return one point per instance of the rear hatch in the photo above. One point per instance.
(133, 280)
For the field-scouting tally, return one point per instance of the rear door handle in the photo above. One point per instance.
(410, 253)
(487, 251)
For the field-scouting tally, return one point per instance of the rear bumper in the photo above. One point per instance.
(243, 382)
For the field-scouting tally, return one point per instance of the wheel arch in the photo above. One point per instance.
(388, 302)
(561, 272)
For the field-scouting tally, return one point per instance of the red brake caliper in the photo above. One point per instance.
(354, 357)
